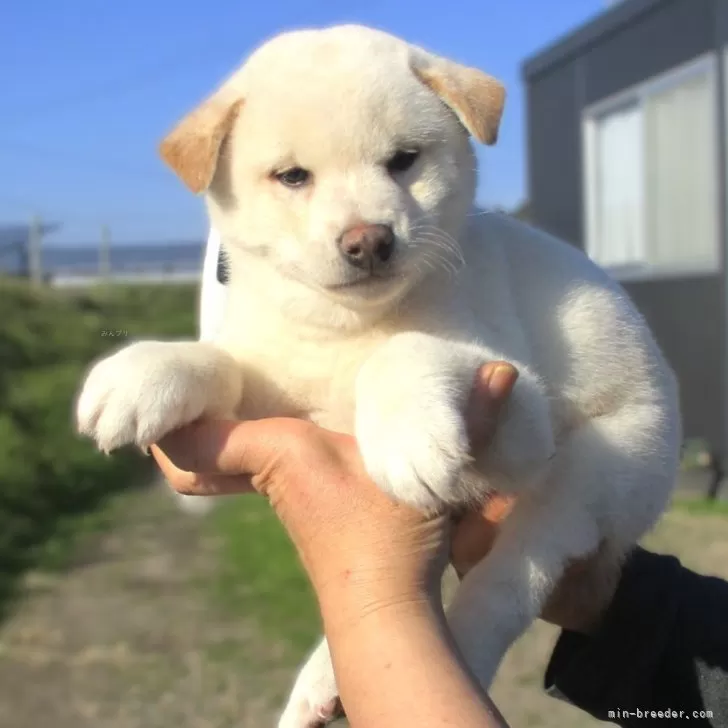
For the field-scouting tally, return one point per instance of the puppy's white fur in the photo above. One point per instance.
(590, 440)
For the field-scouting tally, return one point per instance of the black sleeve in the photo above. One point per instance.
(660, 653)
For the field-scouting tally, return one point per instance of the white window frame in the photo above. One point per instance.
(707, 63)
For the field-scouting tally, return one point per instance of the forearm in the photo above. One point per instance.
(395, 665)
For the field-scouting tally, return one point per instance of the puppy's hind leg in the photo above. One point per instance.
(314, 699)
(609, 482)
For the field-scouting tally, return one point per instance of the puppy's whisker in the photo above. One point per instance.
(442, 242)
(445, 252)
(436, 261)
(442, 255)
(439, 231)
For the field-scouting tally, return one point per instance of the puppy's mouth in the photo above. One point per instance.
(370, 279)
(369, 285)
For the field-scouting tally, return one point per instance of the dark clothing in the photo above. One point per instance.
(662, 646)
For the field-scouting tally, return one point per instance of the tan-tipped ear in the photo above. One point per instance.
(192, 148)
(476, 98)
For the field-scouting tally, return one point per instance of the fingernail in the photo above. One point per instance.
(502, 378)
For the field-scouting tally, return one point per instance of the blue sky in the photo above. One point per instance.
(90, 86)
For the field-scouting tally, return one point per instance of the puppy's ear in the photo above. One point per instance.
(192, 148)
(476, 98)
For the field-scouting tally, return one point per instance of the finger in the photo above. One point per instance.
(226, 447)
(493, 385)
(188, 483)
(475, 534)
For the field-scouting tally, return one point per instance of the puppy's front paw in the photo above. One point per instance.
(418, 453)
(145, 391)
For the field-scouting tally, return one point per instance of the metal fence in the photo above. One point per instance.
(65, 264)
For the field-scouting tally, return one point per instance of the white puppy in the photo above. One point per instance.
(364, 294)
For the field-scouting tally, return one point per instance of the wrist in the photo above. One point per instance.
(367, 581)
(358, 622)
(351, 598)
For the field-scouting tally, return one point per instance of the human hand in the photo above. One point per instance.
(344, 528)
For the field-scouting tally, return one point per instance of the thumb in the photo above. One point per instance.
(492, 388)
(230, 447)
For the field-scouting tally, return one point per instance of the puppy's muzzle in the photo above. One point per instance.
(367, 246)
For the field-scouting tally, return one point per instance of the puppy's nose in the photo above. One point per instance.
(366, 246)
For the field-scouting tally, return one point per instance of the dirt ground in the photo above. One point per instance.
(128, 639)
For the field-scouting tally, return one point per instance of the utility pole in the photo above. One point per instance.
(35, 257)
(105, 254)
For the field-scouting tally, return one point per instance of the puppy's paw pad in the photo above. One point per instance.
(331, 711)
(306, 713)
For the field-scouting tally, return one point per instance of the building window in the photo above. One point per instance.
(652, 176)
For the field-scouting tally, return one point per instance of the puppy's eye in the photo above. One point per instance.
(293, 177)
(402, 160)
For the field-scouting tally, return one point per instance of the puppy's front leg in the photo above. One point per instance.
(147, 389)
(411, 396)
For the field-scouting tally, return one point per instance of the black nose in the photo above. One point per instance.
(366, 246)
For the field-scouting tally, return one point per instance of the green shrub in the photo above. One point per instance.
(48, 475)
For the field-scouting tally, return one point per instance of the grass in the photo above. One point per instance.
(694, 453)
(52, 479)
(58, 552)
(260, 574)
(701, 507)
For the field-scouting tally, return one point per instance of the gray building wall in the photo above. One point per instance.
(630, 43)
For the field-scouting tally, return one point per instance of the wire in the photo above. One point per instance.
(107, 164)
(170, 65)
(140, 77)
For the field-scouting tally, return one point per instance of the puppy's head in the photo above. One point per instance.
(336, 164)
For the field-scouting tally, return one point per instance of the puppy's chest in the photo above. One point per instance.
(309, 379)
